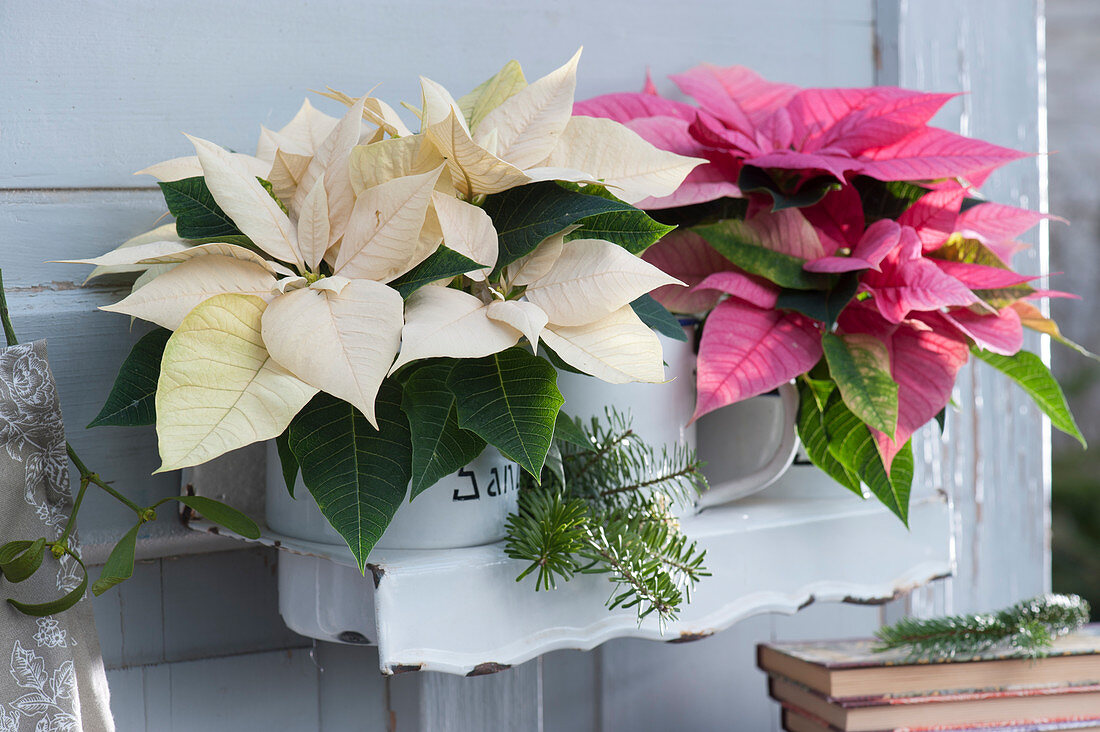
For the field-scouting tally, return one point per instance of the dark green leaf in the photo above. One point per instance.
(120, 564)
(222, 514)
(941, 419)
(1033, 376)
(198, 215)
(850, 442)
(558, 362)
(43, 609)
(886, 199)
(811, 431)
(633, 230)
(730, 240)
(755, 180)
(710, 212)
(443, 264)
(820, 389)
(526, 215)
(566, 429)
(287, 461)
(860, 366)
(132, 400)
(511, 400)
(19, 565)
(825, 306)
(439, 445)
(358, 475)
(654, 315)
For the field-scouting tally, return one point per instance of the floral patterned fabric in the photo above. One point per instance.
(56, 681)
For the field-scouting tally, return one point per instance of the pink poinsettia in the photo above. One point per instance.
(742, 119)
(900, 281)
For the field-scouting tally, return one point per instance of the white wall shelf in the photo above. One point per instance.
(460, 611)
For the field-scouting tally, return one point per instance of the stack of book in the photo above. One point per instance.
(845, 685)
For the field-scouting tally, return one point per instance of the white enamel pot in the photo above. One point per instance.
(659, 412)
(467, 508)
(748, 446)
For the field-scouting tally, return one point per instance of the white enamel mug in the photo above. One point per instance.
(747, 446)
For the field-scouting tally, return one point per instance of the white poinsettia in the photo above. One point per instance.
(338, 332)
(531, 135)
(573, 296)
(306, 298)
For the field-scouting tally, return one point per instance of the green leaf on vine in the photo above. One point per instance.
(119, 566)
(221, 514)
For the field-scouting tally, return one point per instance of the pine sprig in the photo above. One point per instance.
(608, 509)
(1026, 629)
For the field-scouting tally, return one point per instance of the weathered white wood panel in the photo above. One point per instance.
(994, 458)
(94, 90)
(103, 88)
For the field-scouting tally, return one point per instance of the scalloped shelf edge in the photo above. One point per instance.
(460, 611)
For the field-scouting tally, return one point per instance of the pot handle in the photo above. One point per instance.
(772, 470)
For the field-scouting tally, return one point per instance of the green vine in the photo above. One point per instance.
(605, 505)
(20, 559)
(1026, 628)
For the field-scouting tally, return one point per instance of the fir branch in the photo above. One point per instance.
(607, 510)
(1026, 628)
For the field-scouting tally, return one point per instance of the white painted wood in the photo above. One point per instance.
(508, 700)
(412, 601)
(92, 91)
(105, 89)
(994, 459)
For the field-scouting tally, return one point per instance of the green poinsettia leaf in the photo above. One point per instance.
(443, 264)
(491, 93)
(198, 215)
(657, 317)
(826, 305)
(886, 199)
(811, 432)
(850, 442)
(511, 400)
(754, 180)
(567, 429)
(526, 215)
(119, 566)
(221, 514)
(132, 400)
(631, 228)
(1033, 376)
(734, 241)
(860, 366)
(358, 475)
(287, 461)
(439, 446)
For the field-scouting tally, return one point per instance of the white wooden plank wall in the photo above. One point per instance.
(93, 90)
(994, 459)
